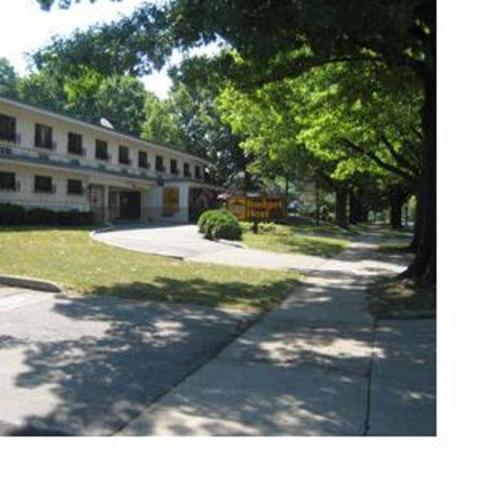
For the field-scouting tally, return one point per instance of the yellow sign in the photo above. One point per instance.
(171, 200)
(257, 208)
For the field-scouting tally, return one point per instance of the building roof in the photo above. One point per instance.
(114, 132)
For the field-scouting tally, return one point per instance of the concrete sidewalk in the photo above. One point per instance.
(317, 365)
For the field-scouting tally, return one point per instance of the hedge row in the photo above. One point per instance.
(14, 215)
(216, 224)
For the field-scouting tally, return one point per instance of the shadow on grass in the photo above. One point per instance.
(203, 292)
(394, 297)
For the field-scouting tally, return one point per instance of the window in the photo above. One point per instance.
(198, 171)
(123, 155)
(173, 166)
(43, 136)
(101, 150)
(186, 170)
(142, 159)
(7, 128)
(44, 184)
(75, 144)
(159, 163)
(7, 181)
(74, 187)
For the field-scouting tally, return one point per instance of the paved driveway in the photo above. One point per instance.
(179, 241)
(88, 365)
(186, 243)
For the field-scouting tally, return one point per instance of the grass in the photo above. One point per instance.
(394, 297)
(393, 247)
(300, 239)
(72, 259)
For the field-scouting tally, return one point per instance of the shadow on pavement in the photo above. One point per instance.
(113, 358)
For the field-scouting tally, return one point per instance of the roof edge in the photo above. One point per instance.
(22, 104)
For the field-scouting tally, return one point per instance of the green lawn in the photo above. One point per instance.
(302, 239)
(70, 258)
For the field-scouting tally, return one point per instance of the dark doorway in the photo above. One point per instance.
(130, 205)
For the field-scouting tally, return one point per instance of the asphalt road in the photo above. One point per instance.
(89, 365)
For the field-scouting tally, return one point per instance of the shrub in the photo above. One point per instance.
(226, 228)
(204, 219)
(14, 215)
(41, 216)
(219, 224)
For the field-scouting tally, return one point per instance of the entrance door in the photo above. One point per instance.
(130, 204)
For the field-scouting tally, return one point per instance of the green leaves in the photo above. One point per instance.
(8, 79)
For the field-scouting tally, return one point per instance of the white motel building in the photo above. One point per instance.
(52, 161)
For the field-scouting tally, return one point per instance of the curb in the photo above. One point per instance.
(107, 228)
(230, 243)
(30, 283)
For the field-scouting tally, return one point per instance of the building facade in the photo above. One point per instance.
(52, 161)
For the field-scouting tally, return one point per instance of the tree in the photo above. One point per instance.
(282, 39)
(161, 124)
(188, 120)
(121, 99)
(42, 89)
(369, 116)
(89, 95)
(345, 128)
(8, 79)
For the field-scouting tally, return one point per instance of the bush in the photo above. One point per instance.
(219, 224)
(14, 215)
(41, 216)
(204, 219)
(226, 228)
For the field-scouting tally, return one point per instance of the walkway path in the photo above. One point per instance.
(184, 242)
(317, 365)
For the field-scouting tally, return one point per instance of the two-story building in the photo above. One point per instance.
(53, 161)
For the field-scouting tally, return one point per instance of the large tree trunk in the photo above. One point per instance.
(358, 211)
(419, 221)
(397, 199)
(353, 207)
(424, 264)
(317, 203)
(341, 195)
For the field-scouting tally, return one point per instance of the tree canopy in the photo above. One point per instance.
(348, 87)
(8, 79)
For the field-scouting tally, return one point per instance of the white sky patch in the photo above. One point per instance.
(26, 28)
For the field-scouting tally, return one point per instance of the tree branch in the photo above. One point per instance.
(397, 157)
(378, 161)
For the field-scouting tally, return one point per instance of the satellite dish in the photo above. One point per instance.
(105, 123)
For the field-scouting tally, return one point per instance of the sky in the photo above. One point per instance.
(25, 28)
